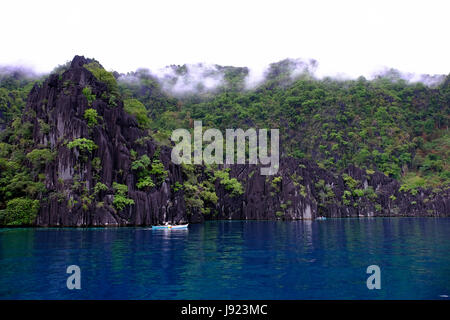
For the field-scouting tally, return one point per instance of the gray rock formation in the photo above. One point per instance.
(301, 190)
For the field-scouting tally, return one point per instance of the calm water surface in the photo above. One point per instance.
(232, 260)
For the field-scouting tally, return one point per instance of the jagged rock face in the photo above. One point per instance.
(61, 104)
(300, 190)
(263, 199)
(299, 196)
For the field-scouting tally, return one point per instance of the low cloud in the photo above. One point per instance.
(18, 73)
(396, 75)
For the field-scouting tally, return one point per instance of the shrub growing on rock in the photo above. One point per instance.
(83, 145)
(19, 211)
(120, 196)
(91, 116)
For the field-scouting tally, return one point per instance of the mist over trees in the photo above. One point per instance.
(396, 122)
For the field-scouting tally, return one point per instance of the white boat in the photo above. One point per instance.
(171, 226)
(321, 218)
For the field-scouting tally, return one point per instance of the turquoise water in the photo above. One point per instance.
(232, 260)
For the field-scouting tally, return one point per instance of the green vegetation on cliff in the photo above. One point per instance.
(386, 124)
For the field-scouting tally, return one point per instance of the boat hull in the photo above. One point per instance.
(169, 227)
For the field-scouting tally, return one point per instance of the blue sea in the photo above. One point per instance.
(232, 260)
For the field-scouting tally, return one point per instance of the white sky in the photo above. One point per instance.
(350, 37)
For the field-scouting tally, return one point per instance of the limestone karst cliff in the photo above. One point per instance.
(73, 174)
(103, 169)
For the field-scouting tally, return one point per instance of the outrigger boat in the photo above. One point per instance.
(170, 226)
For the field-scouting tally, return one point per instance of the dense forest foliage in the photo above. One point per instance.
(18, 185)
(386, 124)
